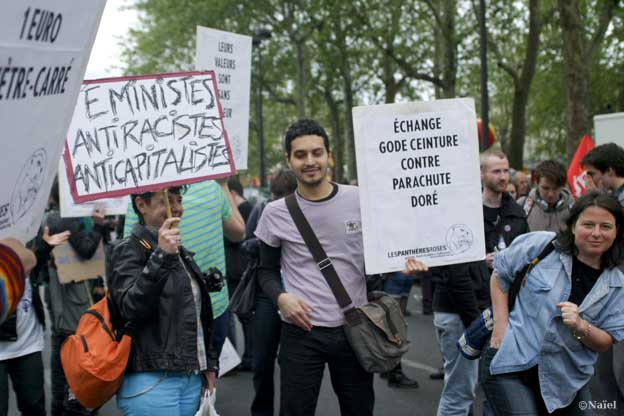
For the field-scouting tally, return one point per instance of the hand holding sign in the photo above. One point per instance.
(98, 215)
(169, 239)
(55, 239)
(413, 266)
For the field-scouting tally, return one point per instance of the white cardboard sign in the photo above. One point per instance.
(69, 209)
(229, 55)
(143, 133)
(420, 189)
(44, 49)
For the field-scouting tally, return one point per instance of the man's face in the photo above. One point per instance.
(308, 159)
(522, 183)
(155, 211)
(495, 174)
(548, 191)
(603, 180)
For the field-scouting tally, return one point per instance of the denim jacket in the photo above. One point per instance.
(536, 333)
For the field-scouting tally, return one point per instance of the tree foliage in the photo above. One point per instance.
(325, 57)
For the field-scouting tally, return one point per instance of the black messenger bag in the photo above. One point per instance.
(377, 331)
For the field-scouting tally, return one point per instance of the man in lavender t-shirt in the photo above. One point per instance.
(312, 333)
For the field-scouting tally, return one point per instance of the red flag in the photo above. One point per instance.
(576, 174)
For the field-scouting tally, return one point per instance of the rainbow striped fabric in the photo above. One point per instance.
(12, 281)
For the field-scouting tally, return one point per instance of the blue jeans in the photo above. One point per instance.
(515, 393)
(398, 285)
(160, 393)
(220, 326)
(460, 374)
(266, 326)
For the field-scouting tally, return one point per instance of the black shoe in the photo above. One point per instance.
(401, 381)
(437, 376)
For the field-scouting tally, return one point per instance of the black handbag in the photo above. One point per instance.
(243, 300)
(377, 331)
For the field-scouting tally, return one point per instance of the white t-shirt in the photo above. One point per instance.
(29, 330)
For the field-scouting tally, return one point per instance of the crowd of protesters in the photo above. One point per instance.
(171, 274)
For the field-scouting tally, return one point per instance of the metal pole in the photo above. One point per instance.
(259, 115)
(485, 107)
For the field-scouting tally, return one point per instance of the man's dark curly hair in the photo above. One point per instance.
(606, 156)
(305, 127)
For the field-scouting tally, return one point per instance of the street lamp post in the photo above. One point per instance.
(258, 37)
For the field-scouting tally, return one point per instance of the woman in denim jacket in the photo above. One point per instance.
(571, 307)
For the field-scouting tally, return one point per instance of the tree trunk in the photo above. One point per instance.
(522, 87)
(449, 68)
(515, 151)
(348, 120)
(576, 74)
(337, 144)
(301, 77)
(390, 83)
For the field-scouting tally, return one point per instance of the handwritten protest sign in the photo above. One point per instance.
(418, 168)
(44, 49)
(140, 134)
(229, 55)
(73, 268)
(69, 209)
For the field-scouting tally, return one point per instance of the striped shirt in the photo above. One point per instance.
(205, 209)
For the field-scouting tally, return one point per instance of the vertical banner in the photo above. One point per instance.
(420, 196)
(576, 173)
(229, 56)
(44, 50)
(143, 133)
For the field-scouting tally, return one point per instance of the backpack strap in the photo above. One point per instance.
(520, 278)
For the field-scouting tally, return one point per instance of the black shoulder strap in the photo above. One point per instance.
(521, 277)
(320, 257)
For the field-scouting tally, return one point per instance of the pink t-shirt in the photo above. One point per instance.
(337, 224)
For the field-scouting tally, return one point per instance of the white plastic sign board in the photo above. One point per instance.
(609, 128)
(44, 49)
(143, 133)
(420, 192)
(229, 56)
(69, 209)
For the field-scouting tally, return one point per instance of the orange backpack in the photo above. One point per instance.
(94, 360)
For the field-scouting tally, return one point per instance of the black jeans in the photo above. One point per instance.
(266, 326)
(302, 359)
(27, 377)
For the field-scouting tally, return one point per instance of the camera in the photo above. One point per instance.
(213, 279)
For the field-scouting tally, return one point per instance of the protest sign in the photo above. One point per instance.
(73, 268)
(140, 134)
(229, 55)
(420, 189)
(69, 209)
(44, 49)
